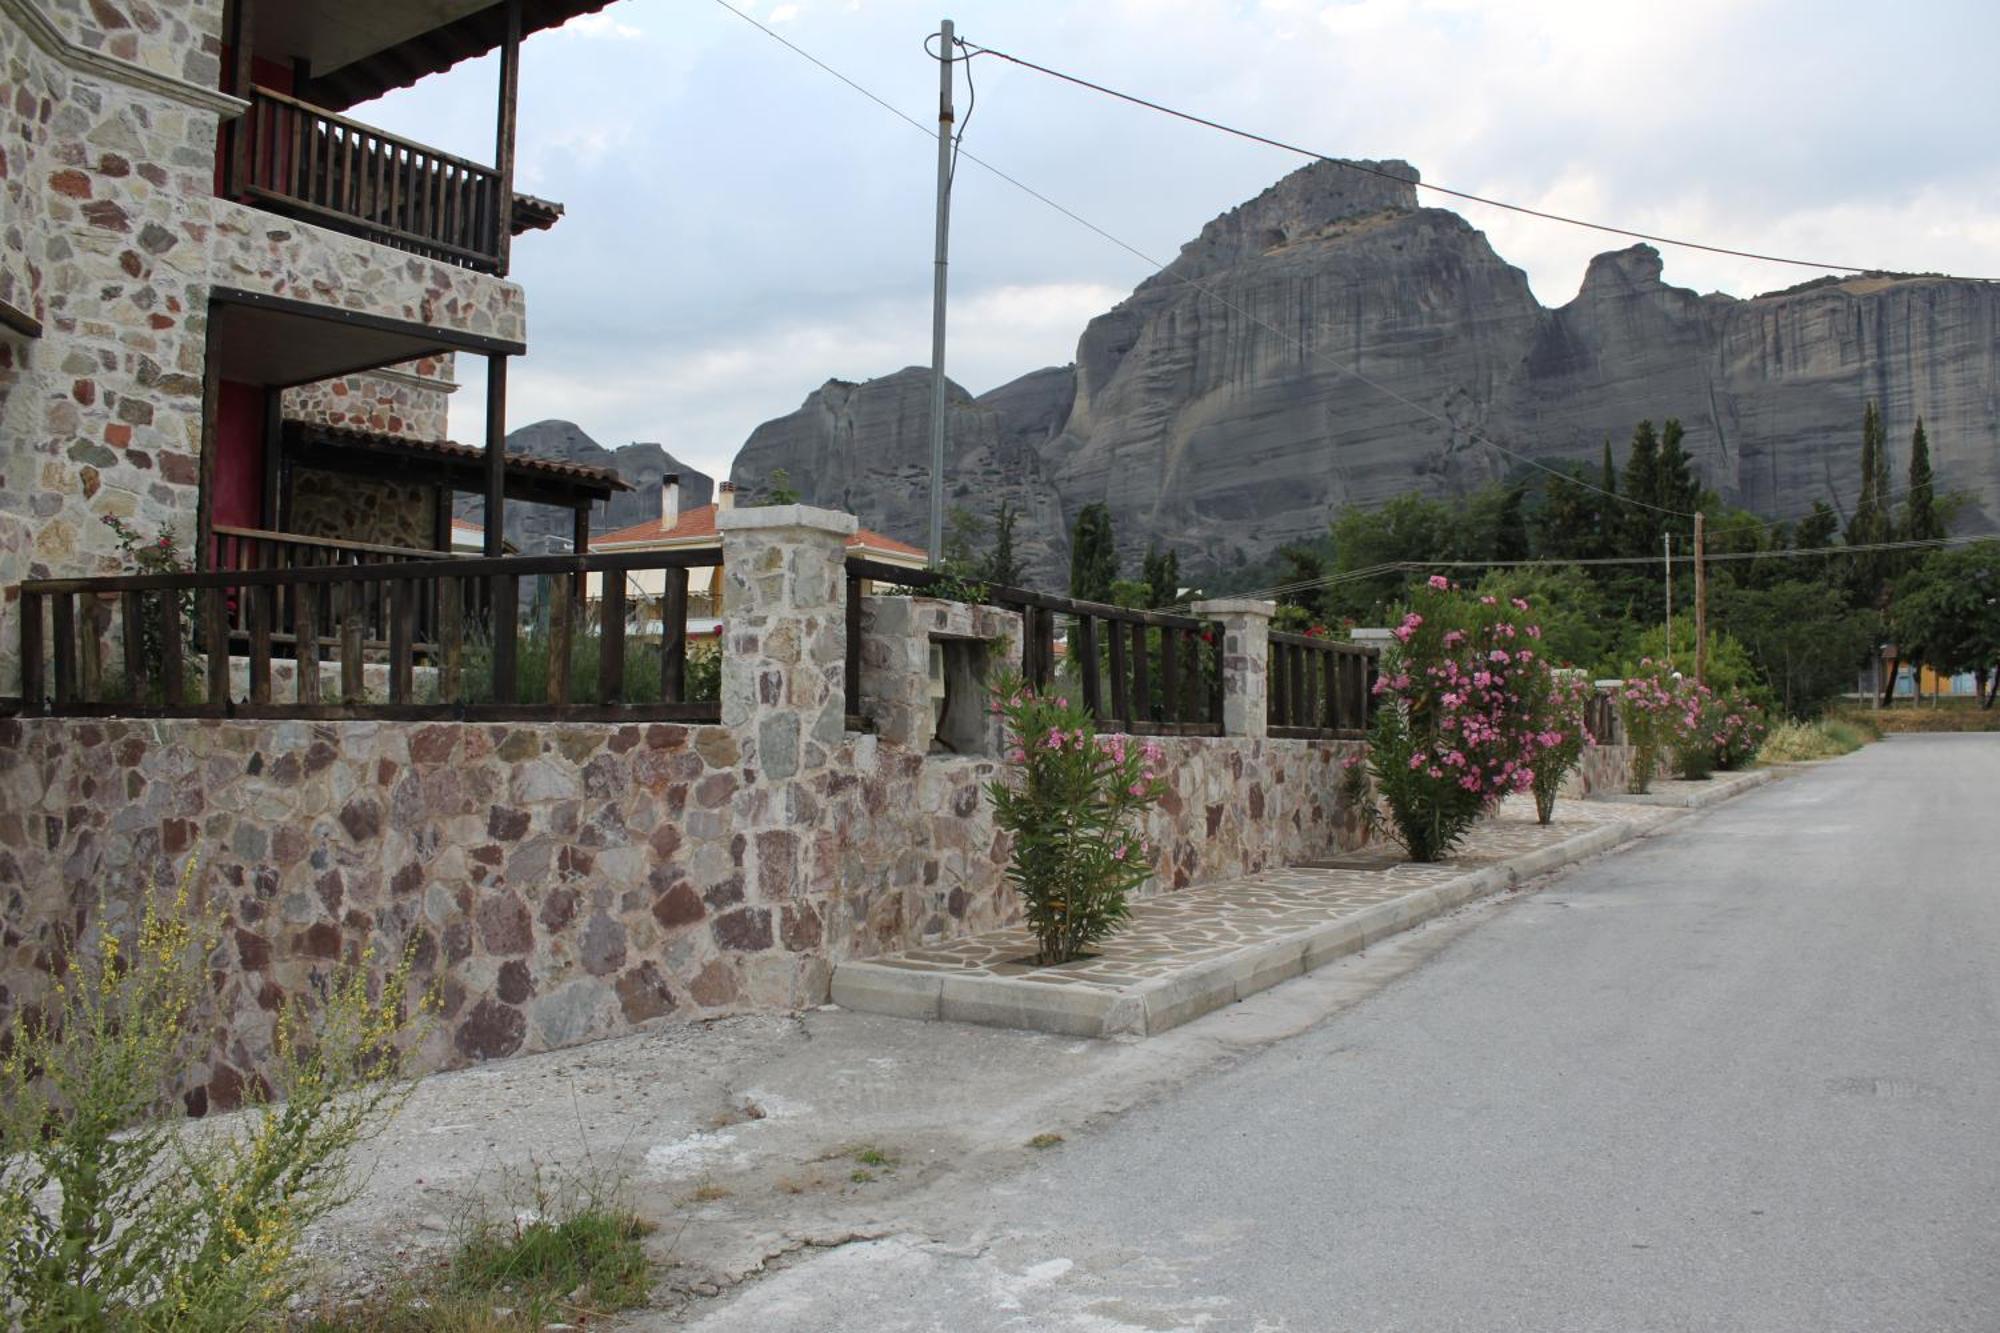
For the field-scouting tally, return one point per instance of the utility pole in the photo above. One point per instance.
(1700, 601)
(945, 121)
(1667, 563)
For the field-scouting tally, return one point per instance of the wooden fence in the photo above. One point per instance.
(362, 622)
(295, 158)
(1145, 673)
(1319, 688)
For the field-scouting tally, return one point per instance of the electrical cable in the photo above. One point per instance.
(1350, 165)
(1471, 433)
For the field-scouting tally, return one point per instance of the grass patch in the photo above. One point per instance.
(1796, 742)
(707, 1193)
(1945, 716)
(1041, 1141)
(860, 1177)
(591, 1262)
(869, 1155)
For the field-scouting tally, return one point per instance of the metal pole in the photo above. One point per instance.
(1667, 540)
(1700, 601)
(945, 119)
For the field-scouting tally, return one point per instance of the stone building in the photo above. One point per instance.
(225, 307)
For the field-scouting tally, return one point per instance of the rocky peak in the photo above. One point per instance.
(1626, 272)
(1300, 207)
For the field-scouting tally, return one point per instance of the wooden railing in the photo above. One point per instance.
(294, 158)
(1140, 672)
(256, 548)
(1319, 688)
(1601, 719)
(167, 629)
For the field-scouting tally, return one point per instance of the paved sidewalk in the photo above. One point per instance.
(1184, 954)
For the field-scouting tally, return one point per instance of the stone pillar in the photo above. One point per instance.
(784, 612)
(1246, 656)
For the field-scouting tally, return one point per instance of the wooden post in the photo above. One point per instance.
(611, 640)
(496, 455)
(403, 594)
(673, 640)
(1700, 602)
(215, 628)
(503, 622)
(64, 623)
(451, 639)
(260, 642)
(32, 688)
(305, 653)
(503, 136)
(1121, 693)
(242, 38)
(561, 627)
(853, 655)
(131, 610)
(170, 648)
(353, 684)
(1085, 647)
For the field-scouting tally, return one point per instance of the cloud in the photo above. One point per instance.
(742, 227)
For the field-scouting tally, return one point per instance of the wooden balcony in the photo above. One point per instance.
(296, 159)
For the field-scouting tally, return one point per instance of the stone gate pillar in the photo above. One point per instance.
(1246, 656)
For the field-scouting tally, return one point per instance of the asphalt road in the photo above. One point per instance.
(1742, 1075)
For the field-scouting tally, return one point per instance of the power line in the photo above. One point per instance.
(1160, 267)
(1268, 141)
(1546, 562)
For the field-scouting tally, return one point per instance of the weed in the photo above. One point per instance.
(868, 1155)
(574, 1250)
(114, 1215)
(1045, 1140)
(860, 1177)
(707, 1192)
(1798, 741)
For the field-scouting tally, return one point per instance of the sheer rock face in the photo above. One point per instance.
(1333, 343)
(866, 448)
(538, 528)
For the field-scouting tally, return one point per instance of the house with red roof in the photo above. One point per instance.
(678, 529)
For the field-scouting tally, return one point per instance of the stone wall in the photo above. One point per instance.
(564, 881)
(111, 235)
(345, 507)
(411, 401)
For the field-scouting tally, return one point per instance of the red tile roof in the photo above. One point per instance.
(697, 527)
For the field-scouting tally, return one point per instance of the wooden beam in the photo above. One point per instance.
(211, 408)
(241, 35)
(274, 459)
(496, 454)
(503, 135)
(19, 320)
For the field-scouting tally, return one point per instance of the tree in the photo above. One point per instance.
(1806, 641)
(778, 490)
(1871, 523)
(1921, 521)
(1569, 525)
(1162, 575)
(1642, 487)
(1947, 610)
(963, 531)
(1093, 556)
(1510, 527)
(1002, 566)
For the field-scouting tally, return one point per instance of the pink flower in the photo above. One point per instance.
(1119, 854)
(1489, 601)
(1440, 582)
(1136, 789)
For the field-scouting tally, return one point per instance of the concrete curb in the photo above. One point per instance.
(1154, 1006)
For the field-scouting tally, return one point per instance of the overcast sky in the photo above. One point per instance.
(742, 227)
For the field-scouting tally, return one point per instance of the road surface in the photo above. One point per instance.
(1742, 1075)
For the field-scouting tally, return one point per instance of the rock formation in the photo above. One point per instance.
(1332, 343)
(539, 528)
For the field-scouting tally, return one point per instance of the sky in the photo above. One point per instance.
(742, 227)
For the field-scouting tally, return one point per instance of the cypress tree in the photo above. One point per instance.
(1921, 521)
(1093, 556)
(1642, 484)
(1162, 575)
(1607, 506)
(1002, 566)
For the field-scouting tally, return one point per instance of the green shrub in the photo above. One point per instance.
(1071, 811)
(112, 1213)
(1798, 741)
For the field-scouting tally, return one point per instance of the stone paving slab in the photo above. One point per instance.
(1183, 954)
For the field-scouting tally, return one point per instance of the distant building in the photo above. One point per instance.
(694, 530)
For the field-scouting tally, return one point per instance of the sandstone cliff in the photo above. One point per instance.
(1331, 342)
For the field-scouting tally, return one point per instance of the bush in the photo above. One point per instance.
(1658, 718)
(114, 1215)
(1798, 741)
(1071, 811)
(1739, 732)
(1694, 751)
(1555, 701)
(1450, 734)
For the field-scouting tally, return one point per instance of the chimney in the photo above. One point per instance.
(670, 500)
(725, 496)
